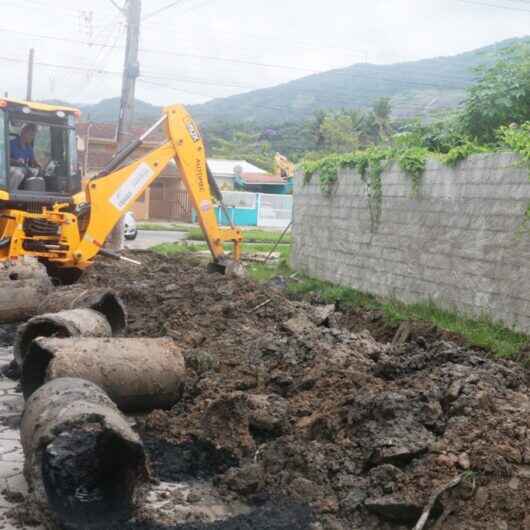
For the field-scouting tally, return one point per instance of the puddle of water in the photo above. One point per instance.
(191, 501)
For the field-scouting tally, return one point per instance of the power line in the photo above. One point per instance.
(159, 76)
(196, 6)
(239, 61)
(303, 45)
(115, 4)
(509, 8)
(162, 9)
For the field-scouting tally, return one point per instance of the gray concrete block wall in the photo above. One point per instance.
(461, 243)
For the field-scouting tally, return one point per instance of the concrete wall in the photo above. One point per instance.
(460, 244)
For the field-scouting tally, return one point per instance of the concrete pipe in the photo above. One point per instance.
(71, 323)
(84, 465)
(21, 283)
(105, 301)
(137, 374)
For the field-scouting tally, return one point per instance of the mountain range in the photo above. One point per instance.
(416, 88)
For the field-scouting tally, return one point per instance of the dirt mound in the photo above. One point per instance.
(287, 402)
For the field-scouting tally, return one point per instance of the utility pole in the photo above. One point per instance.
(131, 71)
(29, 86)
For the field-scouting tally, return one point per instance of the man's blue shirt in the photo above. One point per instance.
(21, 152)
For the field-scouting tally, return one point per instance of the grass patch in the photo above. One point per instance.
(170, 227)
(331, 294)
(482, 332)
(261, 272)
(250, 236)
(179, 248)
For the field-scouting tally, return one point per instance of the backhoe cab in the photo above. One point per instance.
(47, 213)
(54, 174)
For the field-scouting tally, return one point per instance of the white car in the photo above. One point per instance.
(130, 230)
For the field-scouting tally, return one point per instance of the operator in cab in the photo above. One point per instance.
(22, 156)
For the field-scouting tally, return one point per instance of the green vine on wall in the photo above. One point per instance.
(370, 164)
(327, 169)
(518, 140)
(455, 155)
(413, 162)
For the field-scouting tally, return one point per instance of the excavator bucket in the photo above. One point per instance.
(228, 267)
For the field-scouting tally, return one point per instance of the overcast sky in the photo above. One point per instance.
(217, 48)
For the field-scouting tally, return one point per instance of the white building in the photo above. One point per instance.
(224, 171)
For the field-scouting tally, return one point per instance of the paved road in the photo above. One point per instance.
(150, 238)
(11, 457)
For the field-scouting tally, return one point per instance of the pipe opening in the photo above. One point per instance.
(34, 369)
(114, 311)
(90, 474)
(44, 328)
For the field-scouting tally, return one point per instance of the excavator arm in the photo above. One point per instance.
(111, 193)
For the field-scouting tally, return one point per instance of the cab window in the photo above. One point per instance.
(49, 145)
(43, 146)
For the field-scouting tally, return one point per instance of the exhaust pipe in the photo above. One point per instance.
(84, 464)
(137, 374)
(71, 323)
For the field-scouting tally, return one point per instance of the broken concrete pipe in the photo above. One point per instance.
(21, 283)
(84, 464)
(70, 323)
(106, 301)
(138, 374)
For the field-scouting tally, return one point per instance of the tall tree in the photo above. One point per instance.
(501, 96)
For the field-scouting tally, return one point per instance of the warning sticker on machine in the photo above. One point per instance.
(131, 186)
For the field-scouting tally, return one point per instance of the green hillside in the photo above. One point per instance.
(416, 88)
(107, 110)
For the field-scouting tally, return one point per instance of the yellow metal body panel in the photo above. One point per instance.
(111, 196)
(39, 107)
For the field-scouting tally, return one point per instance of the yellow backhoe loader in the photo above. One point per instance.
(48, 213)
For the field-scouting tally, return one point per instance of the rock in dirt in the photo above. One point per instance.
(245, 480)
(394, 508)
(299, 325)
(267, 412)
(463, 461)
(226, 424)
(321, 313)
(354, 500)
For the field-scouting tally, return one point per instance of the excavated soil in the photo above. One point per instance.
(293, 400)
